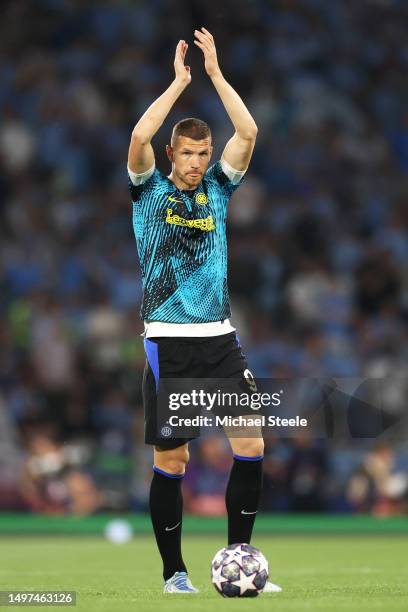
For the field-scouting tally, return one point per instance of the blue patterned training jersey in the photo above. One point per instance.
(182, 245)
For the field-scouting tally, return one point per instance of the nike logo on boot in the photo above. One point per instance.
(245, 512)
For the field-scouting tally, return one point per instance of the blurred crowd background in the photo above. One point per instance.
(317, 238)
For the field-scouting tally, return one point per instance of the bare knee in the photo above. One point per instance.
(247, 447)
(173, 461)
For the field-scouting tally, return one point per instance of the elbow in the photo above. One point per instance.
(139, 137)
(254, 132)
(250, 133)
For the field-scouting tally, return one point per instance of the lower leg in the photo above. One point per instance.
(166, 507)
(244, 490)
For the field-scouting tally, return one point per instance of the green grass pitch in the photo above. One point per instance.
(318, 573)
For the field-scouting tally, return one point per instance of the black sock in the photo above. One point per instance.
(166, 511)
(242, 497)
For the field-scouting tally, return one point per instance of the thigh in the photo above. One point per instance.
(164, 360)
(224, 358)
(230, 363)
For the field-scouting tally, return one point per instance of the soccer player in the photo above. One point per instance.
(179, 224)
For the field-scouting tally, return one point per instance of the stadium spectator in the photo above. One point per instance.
(378, 486)
(50, 481)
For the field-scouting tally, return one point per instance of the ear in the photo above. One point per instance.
(169, 151)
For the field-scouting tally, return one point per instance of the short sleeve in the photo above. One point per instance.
(217, 174)
(136, 191)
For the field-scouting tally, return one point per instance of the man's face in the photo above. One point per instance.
(190, 159)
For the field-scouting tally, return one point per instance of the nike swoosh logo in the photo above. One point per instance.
(245, 512)
(174, 200)
(171, 528)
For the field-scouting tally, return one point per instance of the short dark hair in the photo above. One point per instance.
(196, 129)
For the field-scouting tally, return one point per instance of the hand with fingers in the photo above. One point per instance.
(205, 41)
(183, 73)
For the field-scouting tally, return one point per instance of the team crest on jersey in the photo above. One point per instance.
(201, 198)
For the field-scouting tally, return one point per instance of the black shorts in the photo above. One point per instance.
(214, 357)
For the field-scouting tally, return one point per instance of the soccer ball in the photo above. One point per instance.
(118, 531)
(239, 570)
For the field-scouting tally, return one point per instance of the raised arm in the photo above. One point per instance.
(141, 156)
(238, 150)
